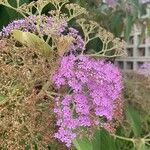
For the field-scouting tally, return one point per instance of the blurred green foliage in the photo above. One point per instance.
(117, 19)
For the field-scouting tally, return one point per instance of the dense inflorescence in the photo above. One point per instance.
(47, 26)
(94, 88)
(36, 24)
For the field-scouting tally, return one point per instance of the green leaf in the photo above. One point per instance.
(129, 25)
(134, 120)
(100, 141)
(103, 141)
(96, 141)
(7, 15)
(14, 2)
(4, 16)
(32, 40)
(83, 144)
(12, 13)
(117, 23)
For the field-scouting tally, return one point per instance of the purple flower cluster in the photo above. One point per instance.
(79, 42)
(93, 88)
(30, 24)
(145, 69)
(27, 24)
(47, 26)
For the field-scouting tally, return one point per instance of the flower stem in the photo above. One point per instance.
(123, 138)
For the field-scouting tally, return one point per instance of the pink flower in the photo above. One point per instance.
(95, 86)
